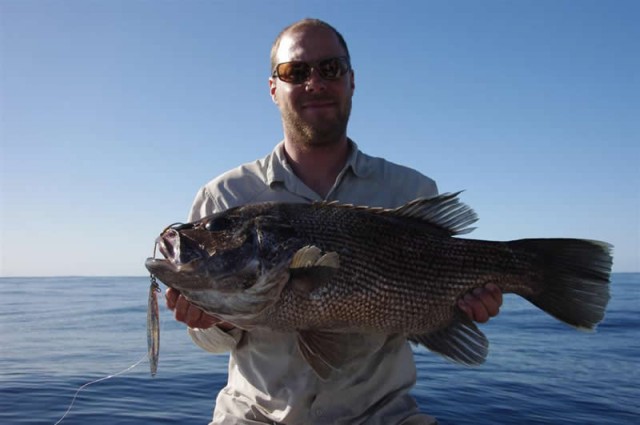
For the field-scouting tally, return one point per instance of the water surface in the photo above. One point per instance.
(57, 334)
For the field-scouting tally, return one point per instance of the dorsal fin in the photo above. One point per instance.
(445, 212)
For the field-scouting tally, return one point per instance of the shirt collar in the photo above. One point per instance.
(279, 171)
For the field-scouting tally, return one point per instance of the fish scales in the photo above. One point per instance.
(323, 270)
(383, 285)
(387, 281)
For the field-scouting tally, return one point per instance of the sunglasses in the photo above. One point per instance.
(297, 72)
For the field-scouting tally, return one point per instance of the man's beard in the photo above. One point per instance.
(327, 132)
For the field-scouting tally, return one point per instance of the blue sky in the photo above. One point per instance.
(114, 113)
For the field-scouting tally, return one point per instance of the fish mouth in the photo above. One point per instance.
(181, 254)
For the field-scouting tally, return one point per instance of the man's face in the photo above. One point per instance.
(317, 110)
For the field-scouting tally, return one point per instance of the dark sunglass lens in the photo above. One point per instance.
(332, 69)
(293, 72)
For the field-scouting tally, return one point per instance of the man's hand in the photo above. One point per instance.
(482, 303)
(189, 314)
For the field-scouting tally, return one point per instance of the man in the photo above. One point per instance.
(269, 382)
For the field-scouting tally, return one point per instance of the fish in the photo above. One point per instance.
(328, 272)
(153, 326)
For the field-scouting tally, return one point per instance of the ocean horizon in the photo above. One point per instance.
(59, 333)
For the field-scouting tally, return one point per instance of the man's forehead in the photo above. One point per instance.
(308, 43)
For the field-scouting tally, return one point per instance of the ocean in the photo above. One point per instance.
(59, 333)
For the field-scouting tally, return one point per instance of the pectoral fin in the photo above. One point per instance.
(311, 256)
(461, 342)
(325, 351)
(310, 268)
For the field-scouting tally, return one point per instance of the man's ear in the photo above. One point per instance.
(272, 90)
(353, 81)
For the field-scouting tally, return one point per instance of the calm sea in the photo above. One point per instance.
(57, 334)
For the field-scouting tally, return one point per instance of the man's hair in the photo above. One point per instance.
(307, 22)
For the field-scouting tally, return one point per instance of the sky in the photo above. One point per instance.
(114, 113)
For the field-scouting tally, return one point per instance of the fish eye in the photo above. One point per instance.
(218, 224)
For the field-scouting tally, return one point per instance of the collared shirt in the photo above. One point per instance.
(269, 381)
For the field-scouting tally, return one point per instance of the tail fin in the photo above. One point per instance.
(576, 278)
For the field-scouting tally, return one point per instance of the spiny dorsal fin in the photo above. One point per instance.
(445, 212)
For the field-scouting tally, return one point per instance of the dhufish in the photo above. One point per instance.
(327, 271)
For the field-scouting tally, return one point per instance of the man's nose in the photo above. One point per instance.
(315, 82)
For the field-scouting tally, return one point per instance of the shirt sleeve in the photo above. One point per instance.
(203, 205)
(213, 339)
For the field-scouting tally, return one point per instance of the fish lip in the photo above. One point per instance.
(162, 267)
(180, 254)
(157, 265)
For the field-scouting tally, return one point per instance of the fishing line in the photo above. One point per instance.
(82, 387)
(95, 382)
(153, 361)
(75, 396)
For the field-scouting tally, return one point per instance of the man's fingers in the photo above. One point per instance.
(187, 313)
(206, 321)
(476, 300)
(171, 296)
(182, 309)
(194, 316)
(482, 303)
(496, 294)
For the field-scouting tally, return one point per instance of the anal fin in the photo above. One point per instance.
(460, 342)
